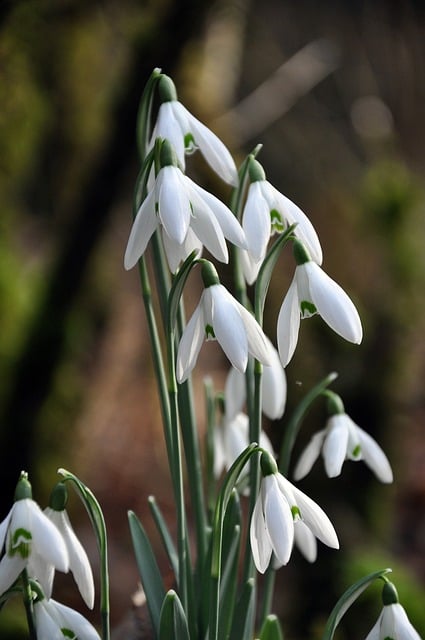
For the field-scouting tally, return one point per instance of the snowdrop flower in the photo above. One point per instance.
(313, 291)
(55, 621)
(218, 315)
(393, 623)
(343, 440)
(79, 563)
(186, 133)
(29, 539)
(273, 388)
(178, 205)
(278, 508)
(268, 211)
(231, 437)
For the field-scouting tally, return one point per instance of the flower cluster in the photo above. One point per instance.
(39, 543)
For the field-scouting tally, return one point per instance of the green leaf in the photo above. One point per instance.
(144, 114)
(243, 619)
(165, 535)
(271, 629)
(266, 271)
(347, 599)
(148, 570)
(173, 623)
(177, 289)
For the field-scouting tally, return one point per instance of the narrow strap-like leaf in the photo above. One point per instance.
(144, 114)
(177, 290)
(173, 623)
(148, 570)
(347, 599)
(271, 629)
(165, 536)
(244, 615)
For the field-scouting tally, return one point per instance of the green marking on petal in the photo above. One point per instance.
(356, 451)
(189, 143)
(209, 331)
(296, 513)
(20, 543)
(277, 222)
(68, 633)
(307, 309)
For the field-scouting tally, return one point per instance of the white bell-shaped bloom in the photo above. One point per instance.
(29, 540)
(79, 564)
(219, 315)
(313, 291)
(268, 211)
(186, 133)
(55, 621)
(177, 205)
(278, 506)
(231, 437)
(342, 439)
(273, 388)
(393, 623)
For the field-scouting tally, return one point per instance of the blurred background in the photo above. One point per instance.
(335, 92)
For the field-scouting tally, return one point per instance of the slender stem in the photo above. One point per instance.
(29, 605)
(268, 591)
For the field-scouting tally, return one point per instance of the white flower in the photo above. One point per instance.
(218, 315)
(267, 211)
(279, 505)
(231, 438)
(273, 388)
(393, 623)
(179, 206)
(313, 291)
(186, 133)
(30, 540)
(79, 563)
(343, 440)
(55, 621)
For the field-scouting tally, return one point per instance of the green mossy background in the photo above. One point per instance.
(76, 379)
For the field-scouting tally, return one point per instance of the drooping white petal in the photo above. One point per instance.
(143, 227)
(250, 267)
(258, 345)
(374, 633)
(177, 253)
(168, 125)
(74, 621)
(47, 627)
(261, 545)
(207, 229)
(3, 528)
(305, 541)
(228, 326)
(230, 226)
(10, 568)
(395, 624)
(47, 539)
(173, 202)
(44, 571)
(335, 445)
(288, 324)
(374, 457)
(316, 519)
(309, 455)
(273, 386)
(212, 148)
(190, 343)
(279, 520)
(78, 561)
(234, 393)
(304, 229)
(256, 221)
(333, 304)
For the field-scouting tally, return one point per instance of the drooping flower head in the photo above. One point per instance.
(188, 216)
(79, 563)
(55, 621)
(342, 439)
(278, 507)
(186, 133)
(313, 291)
(268, 211)
(393, 623)
(220, 316)
(29, 540)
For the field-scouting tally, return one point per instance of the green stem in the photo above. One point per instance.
(268, 591)
(29, 605)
